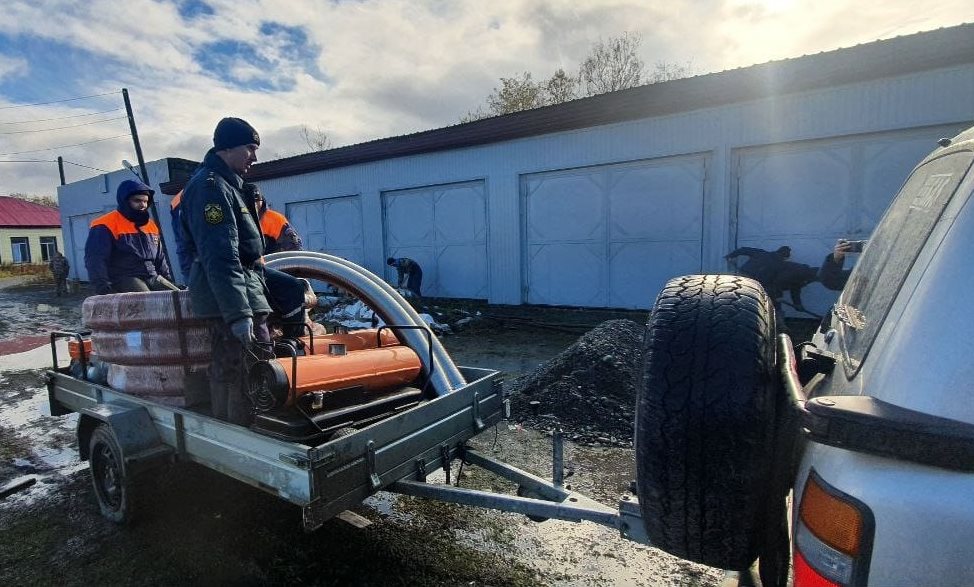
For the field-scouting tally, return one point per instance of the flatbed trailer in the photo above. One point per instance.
(123, 436)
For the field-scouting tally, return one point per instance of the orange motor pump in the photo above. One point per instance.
(353, 341)
(281, 381)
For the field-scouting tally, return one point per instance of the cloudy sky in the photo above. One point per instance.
(356, 69)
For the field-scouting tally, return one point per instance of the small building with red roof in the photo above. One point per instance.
(29, 232)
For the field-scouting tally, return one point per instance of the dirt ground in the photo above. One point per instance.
(199, 527)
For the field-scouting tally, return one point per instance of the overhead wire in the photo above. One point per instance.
(85, 166)
(18, 132)
(63, 160)
(58, 101)
(63, 146)
(61, 117)
(54, 118)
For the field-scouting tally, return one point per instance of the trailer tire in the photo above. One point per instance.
(523, 491)
(705, 419)
(113, 486)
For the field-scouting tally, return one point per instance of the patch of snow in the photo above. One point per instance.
(39, 358)
(357, 315)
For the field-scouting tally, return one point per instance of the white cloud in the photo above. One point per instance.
(12, 66)
(390, 67)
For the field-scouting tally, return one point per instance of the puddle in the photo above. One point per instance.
(35, 310)
(50, 451)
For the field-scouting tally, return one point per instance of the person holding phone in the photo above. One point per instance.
(832, 274)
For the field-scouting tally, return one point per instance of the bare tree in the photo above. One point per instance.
(515, 94)
(664, 71)
(49, 201)
(476, 114)
(612, 65)
(560, 88)
(316, 138)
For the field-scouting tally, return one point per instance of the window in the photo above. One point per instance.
(893, 248)
(48, 246)
(21, 249)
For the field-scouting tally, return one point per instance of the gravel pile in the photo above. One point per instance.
(589, 389)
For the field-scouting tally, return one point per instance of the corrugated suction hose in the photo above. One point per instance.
(382, 298)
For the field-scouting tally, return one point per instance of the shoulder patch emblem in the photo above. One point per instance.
(213, 213)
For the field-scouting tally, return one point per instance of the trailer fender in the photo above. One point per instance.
(142, 448)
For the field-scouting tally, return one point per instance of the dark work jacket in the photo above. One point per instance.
(410, 274)
(832, 275)
(182, 255)
(220, 232)
(792, 277)
(761, 265)
(118, 247)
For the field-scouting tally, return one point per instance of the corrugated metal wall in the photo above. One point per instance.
(929, 103)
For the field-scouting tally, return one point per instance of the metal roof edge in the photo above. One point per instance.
(941, 48)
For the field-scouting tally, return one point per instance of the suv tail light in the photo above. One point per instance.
(833, 537)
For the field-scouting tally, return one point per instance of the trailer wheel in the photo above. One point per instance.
(705, 419)
(113, 487)
(523, 491)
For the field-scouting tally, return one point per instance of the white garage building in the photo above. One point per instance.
(597, 202)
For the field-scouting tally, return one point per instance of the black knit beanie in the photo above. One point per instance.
(233, 132)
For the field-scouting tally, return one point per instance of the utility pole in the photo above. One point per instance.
(145, 173)
(60, 168)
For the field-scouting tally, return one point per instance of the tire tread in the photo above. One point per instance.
(705, 418)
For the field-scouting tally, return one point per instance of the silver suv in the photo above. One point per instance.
(867, 430)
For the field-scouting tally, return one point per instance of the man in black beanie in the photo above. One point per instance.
(221, 234)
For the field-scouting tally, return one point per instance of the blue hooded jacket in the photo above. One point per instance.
(124, 243)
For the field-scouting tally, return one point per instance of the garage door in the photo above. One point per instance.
(444, 229)
(807, 195)
(611, 236)
(330, 225)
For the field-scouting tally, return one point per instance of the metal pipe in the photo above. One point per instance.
(145, 173)
(558, 458)
(443, 361)
(352, 278)
(572, 512)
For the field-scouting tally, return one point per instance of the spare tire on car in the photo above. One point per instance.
(705, 419)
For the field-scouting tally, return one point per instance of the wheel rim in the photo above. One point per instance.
(107, 476)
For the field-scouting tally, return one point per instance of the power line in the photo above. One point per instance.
(63, 160)
(85, 166)
(61, 117)
(20, 132)
(64, 146)
(58, 101)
